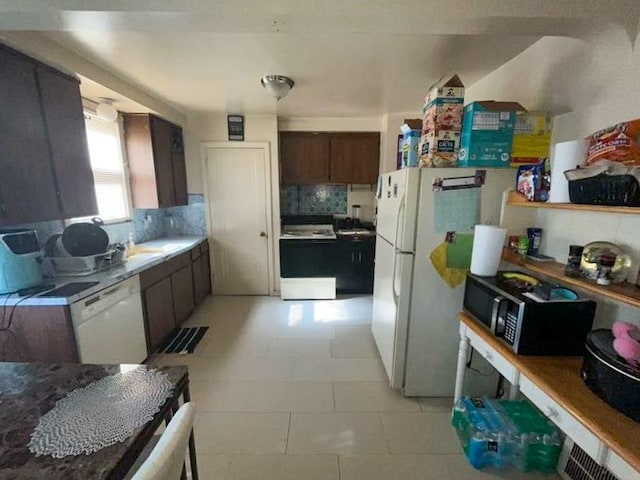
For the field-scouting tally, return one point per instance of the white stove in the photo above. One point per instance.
(308, 232)
(307, 268)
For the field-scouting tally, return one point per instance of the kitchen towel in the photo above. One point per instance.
(459, 251)
(566, 156)
(456, 210)
(488, 242)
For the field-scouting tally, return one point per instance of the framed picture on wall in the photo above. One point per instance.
(235, 124)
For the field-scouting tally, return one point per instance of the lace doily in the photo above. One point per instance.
(104, 412)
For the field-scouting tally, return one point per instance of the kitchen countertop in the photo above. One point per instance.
(172, 246)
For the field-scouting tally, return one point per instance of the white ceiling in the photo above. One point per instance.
(348, 58)
(335, 75)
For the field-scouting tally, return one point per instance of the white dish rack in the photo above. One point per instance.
(74, 266)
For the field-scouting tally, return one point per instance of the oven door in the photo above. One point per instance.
(307, 258)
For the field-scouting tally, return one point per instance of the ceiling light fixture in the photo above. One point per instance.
(277, 86)
(106, 111)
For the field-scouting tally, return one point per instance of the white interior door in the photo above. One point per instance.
(238, 214)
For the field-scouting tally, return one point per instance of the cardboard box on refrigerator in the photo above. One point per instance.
(410, 142)
(531, 138)
(487, 134)
(443, 106)
(442, 118)
(439, 148)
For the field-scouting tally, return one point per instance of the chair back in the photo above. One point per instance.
(167, 457)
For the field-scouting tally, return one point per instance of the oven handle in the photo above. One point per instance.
(497, 301)
(321, 242)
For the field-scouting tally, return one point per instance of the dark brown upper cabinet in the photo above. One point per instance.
(304, 157)
(155, 151)
(355, 157)
(349, 157)
(44, 159)
(64, 118)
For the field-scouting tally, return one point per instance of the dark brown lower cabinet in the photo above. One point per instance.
(171, 290)
(183, 299)
(159, 315)
(206, 275)
(355, 260)
(201, 277)
(39, 334)
(197, 276)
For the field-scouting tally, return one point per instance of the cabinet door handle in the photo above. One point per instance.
(353, 257)
(263, 234)
(359, 257)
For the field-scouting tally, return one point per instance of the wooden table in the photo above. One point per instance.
(30, 390)
(555, 385)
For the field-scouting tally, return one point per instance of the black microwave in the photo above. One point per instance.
(527, 323)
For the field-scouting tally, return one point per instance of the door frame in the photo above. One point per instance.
(265, 147)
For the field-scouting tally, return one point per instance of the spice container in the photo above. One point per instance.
(605, 269)
(573, 261)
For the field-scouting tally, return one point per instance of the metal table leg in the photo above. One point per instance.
(514, 389)
(463, 351)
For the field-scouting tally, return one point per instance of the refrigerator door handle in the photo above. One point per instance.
(396, 295)
(402, 207)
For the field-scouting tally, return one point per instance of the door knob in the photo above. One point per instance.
(263, 234)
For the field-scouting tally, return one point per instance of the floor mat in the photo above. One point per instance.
(184, 340)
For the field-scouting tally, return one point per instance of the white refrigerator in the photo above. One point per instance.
(414, 319)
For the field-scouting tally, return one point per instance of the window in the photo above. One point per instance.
(107, 163)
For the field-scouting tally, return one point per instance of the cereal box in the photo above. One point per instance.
(410, 143)
(487, 134)
(442, 118)
(531, 138)
(439, 148)
(443, 106)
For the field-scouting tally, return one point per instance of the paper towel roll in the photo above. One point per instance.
(566, 156)
(487, 250)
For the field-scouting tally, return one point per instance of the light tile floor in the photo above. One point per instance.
(295, 390)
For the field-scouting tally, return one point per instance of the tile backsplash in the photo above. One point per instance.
(146, 224)
(187, 220)
(313, 199)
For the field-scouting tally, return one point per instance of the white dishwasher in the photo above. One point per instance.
(109, 325)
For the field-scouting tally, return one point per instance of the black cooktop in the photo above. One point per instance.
(69, 289)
